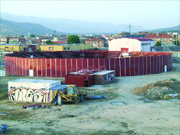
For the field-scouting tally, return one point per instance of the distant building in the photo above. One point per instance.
(22, 40)
(143, 33)
(60, 42)
(19, 48)
(163, 38)
(13, 40)
(96, 42)
(46, 38)
(3, 40)
(131, 44)
(133, 36)
(64, 47)
(36, 41)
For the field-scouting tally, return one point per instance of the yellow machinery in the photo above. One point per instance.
(70, 94)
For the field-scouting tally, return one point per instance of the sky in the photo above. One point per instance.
(148, 14)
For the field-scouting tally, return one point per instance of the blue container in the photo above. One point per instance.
(3, 128)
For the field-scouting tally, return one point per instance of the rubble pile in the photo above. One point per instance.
(161, 90)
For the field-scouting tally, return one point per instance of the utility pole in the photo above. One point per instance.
(130, 27)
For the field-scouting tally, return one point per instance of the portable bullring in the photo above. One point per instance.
(60, 64)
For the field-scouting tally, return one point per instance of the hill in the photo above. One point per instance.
(72, 26)
(175, 29)
(22, 28)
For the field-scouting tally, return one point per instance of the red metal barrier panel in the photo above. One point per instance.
(16, 66)
(85, 63)
(163, 63)
(79, 64)
(11, 65)
(158, 64)
(117, 68)
(96, 63)
(35, 66)
(120, 67)
(23, 66)
(107, 63)
(153, 65)
(148, 65)
(47, 67)
(63, 67)
(53, 72)
(67, 65)
(27, 67)
(112, 65)
(58, 68)
(136, 66)
(132, 61)
(15, 61)
(123, 67)
(102, 63)
(166, 62)
(19, 66)
(141, 66)
(127, 66)
(6, 65)
(43, 68)
(170, 62)
(73, 65)
(145, 65)
(55, 67)
(39, 67)
(90, 64)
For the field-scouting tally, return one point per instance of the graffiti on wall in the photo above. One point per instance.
(28, 95)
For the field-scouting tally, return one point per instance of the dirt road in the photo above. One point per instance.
(135, 115)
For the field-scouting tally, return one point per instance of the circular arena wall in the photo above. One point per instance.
(60, 64)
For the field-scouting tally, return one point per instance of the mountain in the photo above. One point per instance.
(72, 26)
(22, 28)
(175, 28)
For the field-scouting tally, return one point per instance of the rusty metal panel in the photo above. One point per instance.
(117, 68)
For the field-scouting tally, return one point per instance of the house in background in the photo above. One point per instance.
(13, 40)
(59, 42)
(131, 44)
(96, 42)
(163, 38)
(45, 38)
(3, 40)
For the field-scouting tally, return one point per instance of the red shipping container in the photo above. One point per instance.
(80, 80)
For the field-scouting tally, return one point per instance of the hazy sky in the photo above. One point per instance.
(149, 14)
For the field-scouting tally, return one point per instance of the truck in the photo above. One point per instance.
(67, 94)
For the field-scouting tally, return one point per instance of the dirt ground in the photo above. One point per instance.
(136, 116)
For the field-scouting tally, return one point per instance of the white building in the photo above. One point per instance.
(131, 44)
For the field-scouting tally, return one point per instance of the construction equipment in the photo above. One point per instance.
(69, 94)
